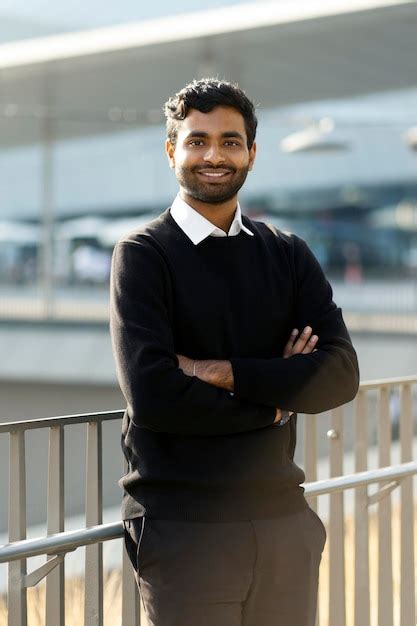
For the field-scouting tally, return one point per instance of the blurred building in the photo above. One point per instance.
(81, 126)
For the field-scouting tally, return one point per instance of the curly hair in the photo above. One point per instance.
(204, 95)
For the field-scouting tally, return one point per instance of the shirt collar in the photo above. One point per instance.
(197, 227)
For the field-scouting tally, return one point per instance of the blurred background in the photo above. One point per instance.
(82, 86)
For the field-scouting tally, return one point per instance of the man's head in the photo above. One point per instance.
(211, 127)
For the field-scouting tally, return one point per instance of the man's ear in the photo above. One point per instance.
(170, 152)
(252, 155)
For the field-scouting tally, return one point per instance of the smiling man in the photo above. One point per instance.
(223, 329)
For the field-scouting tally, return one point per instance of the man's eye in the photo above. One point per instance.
(231, 143)
(196, 142)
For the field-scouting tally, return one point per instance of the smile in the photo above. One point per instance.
(214, 174)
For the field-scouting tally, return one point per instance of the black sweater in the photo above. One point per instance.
(194, 451)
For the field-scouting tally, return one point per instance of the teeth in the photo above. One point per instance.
(213, 175)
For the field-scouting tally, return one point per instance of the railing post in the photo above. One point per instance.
(310, 452)
(131, 601)
(93, 609)
(130, 595)
(337, 603)
(385, 578)
(362, 603)
(55, 585)
(408, 609)
(310, 467)
(17, 599)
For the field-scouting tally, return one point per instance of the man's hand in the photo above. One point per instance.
(305, 343)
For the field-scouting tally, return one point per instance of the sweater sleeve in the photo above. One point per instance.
(305, 383)
(159, 395)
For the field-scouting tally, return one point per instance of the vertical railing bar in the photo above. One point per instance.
(93, 607)
(131, 602)
(385, 578)
(130, 594)
(362, 600)
(310, 453)
(17, 594)
(407, 589)
(55, 581)
(310, 468)
(337, 601)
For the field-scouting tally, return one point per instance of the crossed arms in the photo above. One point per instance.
(220, 373)
(162, 397)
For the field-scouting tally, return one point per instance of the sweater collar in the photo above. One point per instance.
(197, 227)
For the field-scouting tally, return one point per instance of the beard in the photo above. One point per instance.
(211, 193)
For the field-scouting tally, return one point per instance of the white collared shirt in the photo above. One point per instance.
(197, 227)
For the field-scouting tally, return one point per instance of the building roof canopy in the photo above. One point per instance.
(281, 53)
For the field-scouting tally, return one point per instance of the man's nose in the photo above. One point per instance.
(214, 155)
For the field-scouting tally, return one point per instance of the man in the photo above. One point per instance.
(207, 306)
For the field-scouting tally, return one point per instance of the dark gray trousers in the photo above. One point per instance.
(255, 573)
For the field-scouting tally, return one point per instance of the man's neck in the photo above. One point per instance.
(221, 215)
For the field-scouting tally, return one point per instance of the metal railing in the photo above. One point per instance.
(18, 579)
(373, 404)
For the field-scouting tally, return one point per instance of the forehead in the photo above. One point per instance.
(219, 120)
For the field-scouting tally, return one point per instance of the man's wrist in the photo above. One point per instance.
(217, 373)
(283, 417)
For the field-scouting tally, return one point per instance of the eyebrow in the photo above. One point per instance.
(225, 135)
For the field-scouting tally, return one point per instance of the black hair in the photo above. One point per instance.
(204, 95)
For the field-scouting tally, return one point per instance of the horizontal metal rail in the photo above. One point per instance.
(61, 542)
(350, 481)
(387, 382)
(71, 540)
(64, 420)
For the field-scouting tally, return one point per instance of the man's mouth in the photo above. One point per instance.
(214, 175)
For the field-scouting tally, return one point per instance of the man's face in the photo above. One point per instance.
(211, 157)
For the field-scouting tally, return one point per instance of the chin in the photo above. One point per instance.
(210, 198)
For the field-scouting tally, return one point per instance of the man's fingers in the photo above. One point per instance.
(310, 345)
(305, 343)
(302, 341)
(278, 416)
(289, 345)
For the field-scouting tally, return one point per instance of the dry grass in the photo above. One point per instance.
(74, 602)
(74, 588)
(373, 570)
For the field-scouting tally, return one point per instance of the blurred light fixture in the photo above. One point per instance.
(319, 137)
(115, 114)
(411, 138)
(406, 215)
(130, 115)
